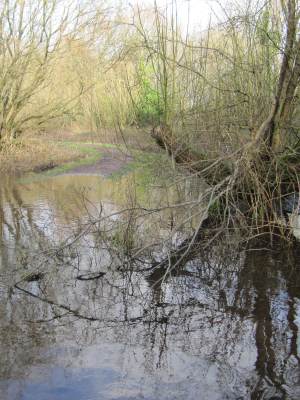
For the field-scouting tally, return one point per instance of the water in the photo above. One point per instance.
(91, 324)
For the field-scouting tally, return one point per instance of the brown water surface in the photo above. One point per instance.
(78, 321)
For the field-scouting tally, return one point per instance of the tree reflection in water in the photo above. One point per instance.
(223, 323)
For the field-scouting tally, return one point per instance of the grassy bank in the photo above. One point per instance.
(35, 155)
(55, 152)
(148, 166)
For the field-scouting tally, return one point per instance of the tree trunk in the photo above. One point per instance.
(273, 132)
(194, 162)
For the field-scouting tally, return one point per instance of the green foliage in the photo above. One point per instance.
(148, 108)
(267, 31)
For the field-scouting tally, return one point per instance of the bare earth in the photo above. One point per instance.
(112, 161)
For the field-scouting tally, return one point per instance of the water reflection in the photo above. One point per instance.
(93, 323)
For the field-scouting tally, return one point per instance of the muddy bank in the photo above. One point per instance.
(112, 161)
(34, 155)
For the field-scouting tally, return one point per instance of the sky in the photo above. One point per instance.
(197, 12)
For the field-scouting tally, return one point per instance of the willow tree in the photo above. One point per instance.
(237, 83)
(275, 130)
(31, 32)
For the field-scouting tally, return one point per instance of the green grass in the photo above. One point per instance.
(148, 169)
(147, 166)
(89, 154)
(86, 146)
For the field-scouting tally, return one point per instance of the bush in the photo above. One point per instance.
(149, 105)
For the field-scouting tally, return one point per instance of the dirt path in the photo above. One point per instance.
(112, 161)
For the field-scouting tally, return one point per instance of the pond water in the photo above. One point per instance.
(80, 321)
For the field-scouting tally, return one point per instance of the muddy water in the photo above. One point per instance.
(79, 321)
